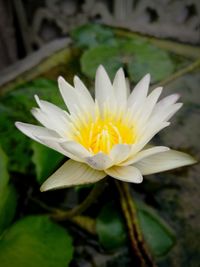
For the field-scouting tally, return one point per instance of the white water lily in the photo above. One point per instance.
(108, 135)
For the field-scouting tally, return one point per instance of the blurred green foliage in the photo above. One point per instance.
(35, 241)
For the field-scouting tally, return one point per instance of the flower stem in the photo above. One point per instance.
(98, 188)
(142, 257)
(180, 73)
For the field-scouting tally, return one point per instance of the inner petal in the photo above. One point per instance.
(101, 132)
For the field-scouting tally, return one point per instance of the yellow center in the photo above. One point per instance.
(103, 132)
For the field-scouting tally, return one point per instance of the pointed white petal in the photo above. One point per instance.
(72, 173)
(76, 149)
(99, 161)
(120, 88)
(139, 93)
(33, 131)
(69, 94)
(44, 136)
(143, 154)
(104, 92)
(84, 94)
(119, 153)
(53, 121)
(148, 106)
(174, 109)
(164, 114)
(126, 174)
(167, 101)
(164, 161)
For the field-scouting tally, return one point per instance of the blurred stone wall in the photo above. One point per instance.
(42, 21)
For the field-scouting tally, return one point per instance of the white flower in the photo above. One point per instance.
(107, 136)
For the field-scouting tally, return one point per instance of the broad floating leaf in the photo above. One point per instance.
(138, 57)
(112, 232)
(110, 228)
(35, 241)
(157, 233)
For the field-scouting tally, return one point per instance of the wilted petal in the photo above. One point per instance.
(126, 174)
(72, 173)
(164, 161)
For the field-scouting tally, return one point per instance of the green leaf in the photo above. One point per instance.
(8, 194)
(46, 161)
(16, 106)
(113, 233)
(108, 56)
(137, 56)
(35, 241)
(157, 233)
(110, 228)
(90, 35)
(147, 58)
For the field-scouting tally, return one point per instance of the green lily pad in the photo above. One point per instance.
(110, 227)
(137, 57)
(113, 233)
(36, 241)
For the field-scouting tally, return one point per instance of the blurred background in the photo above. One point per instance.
(40, 40)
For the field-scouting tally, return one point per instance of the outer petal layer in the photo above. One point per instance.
(164, 161)
(126, 174)
(72, 173)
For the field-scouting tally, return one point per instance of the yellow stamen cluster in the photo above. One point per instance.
(101, 133)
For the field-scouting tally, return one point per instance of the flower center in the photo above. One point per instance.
(103, 132)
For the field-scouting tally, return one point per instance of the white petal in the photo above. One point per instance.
(164, 161)
(120, 87)
(143, 154)
(99, 161)
(53, 121)
(149, 105)
(139, 93)
(119, 153)
(76, 149)
(42, 135)
(72, 173)
(165, 113)
(69, 94)
(83, 91)
(174, 109)
(147, 134)
(104, 92)
(33, 131)
(127, 174)
(167, 101)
